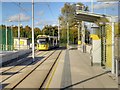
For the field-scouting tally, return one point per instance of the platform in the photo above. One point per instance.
(74, 70)
(6, 56)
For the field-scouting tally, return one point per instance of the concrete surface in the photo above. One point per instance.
(9, 83)
(6, 56)
(75, 71)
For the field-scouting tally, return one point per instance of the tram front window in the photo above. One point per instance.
(42, 42)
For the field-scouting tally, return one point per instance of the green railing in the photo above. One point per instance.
(6, 48)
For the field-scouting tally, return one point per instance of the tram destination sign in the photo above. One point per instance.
(42, 39)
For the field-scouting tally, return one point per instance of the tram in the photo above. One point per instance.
(46, 42)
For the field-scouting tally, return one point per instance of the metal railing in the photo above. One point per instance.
(3, 47)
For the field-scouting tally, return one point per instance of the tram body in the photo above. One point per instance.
(45, 42)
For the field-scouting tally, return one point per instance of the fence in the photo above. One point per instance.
(9, 37)
(108, 45)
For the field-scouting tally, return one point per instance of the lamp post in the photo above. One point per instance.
(53, 34)
(59, 31)
(33, 47)
(19, 30)
(67, 35)
(6, 37)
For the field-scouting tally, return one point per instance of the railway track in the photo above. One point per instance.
(14, 70)
(35, 76)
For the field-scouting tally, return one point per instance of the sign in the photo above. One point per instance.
(21, 42)
(42, 39)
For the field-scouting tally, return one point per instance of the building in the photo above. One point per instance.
(24, 43)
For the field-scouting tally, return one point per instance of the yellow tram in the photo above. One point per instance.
(45, 42)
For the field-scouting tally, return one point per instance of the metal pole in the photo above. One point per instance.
(79, 36)
(116, 68)
(83, 36)
(113, 61)
(11, 39)
(67, 35)
(6, 36)
(79, 32)
(58, 30)
(53, 32)
(19, 31)
(53, 36)
(33, 47)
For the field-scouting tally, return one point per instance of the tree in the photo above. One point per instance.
(28, 32)
(49, 30)
(15, 31)
(37, 32)
(68, 15)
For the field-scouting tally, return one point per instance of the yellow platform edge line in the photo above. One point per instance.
(52, 74)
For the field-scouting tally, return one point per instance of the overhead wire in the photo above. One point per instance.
(25, 10)
(22, 8)
(50, 9)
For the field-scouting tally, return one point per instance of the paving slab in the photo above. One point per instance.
(76, 67)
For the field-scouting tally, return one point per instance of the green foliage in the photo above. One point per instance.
(68, 15)
(50, 30)
(24, 31)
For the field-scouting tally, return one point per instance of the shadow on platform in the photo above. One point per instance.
(70, 86)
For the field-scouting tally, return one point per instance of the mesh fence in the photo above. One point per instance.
(109, 32)
(6, 45)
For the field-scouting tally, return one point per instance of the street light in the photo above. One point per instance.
(6, 37)
(19, 30)
(58, 30)
(67, 35)
(33, 45)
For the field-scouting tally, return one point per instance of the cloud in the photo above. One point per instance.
(104, 5)
(46, 22)
(40, 13)
(23, 17)
(41, 22)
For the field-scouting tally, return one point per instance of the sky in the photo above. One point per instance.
(45, 13)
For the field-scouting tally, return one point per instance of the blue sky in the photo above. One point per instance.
(45, 12)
